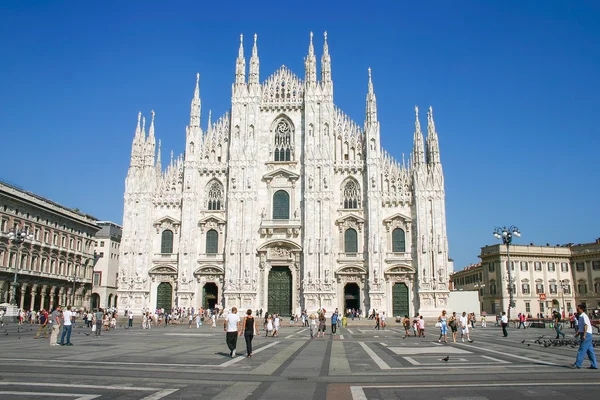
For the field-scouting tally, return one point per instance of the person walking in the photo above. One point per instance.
(464, 328)
(269, 326)
(276, 324)
(558, 325)
(68, 318)
(321, 325)
(443, 327)
(382, 318)
(504, 323)
(99, 320)
(130, 317)
(232, 329)
(334, 321)
(313, 324)
(377, 321)
(43, 325)
(55, 319)
(585, 334)
(248, 329)
(453, 323)
(406, 323)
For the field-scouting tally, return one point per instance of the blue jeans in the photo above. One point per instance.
(67, 331)
(585, 347)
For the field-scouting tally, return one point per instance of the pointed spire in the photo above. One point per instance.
(240, 64)
(325, 62)
(158, 157)
(137, 129)
(143, 134)
(433, 147)
(151, 132)
(209, 120)
(371, 102)
(310, 63)
(418, 145)
(195, 106)
(254, 64)
(171, 164)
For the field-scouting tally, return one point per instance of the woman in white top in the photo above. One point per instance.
(276, 323)
(269, 325)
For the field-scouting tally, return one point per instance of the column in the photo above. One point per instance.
(33, 292)
(52, 294)
(23, 289)
(43, 304)
(61, 296)
(69, 297)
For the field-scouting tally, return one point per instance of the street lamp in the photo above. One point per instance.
(564, 286)
(506, 234)
(75, 279)
(17, 237)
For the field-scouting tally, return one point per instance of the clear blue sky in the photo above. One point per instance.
(514, 86)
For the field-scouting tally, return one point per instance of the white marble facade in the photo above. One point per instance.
(285, 183)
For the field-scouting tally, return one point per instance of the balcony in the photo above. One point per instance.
(351, 257)
(210, 257)
(268, 226)
(165, 257)
(395, 257)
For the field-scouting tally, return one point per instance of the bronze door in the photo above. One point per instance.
(164, 296)
(280, 291)
(400, 305)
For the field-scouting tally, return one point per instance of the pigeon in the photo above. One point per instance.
(523, 341)
(6, 334)
(541, 336)
(445, 359)
(19, 337)
(87, 334)
(528, 344)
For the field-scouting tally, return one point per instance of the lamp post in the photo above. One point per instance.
(564, 285)
(506, 234)
(17, 237)
(75, 279)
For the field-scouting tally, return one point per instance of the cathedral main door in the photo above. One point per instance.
(400, 300)
(280, 291)
(164, 296)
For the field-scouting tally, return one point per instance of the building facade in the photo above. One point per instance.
(544, 278)
(284, 203)
(106, 270)
(55, 267)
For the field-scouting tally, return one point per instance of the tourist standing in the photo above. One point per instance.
(558, 325)
(276, 324)
(504, 323)
(55, 319)
(248, 329)
(377, 321)
(321, 325)
(232, 329)
(313, 324)
(99, 320)
(443, 327)
(585, 334)
(453, 323)
(383, 320)
(130, 318)
(43, 325)
(68, 318)
(464, 327)
(421, 326)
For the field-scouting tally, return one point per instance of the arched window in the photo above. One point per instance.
(166, 243)
(215, 196)
(398, 241)
(351, 195)
(283, 141)
(281, 205)
(212, 242)
(350, 241)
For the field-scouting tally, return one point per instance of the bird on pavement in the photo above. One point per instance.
(87, 334)
(528, 344)
(445, 359)
(523, 341)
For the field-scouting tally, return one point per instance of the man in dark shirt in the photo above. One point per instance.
(43, 325)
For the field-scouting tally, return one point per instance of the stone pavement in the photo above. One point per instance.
(360, 363)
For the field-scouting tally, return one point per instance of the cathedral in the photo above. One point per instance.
(283, 204)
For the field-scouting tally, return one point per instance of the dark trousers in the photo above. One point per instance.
(333, 329)
(231, 340)
(66, 331)
(130, 322)
(98, 327)
(504, 332)
(248, 337)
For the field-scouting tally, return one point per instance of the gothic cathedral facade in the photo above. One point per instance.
(284, 204)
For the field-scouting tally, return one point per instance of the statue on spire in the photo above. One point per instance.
(254, 64)
(310, 63)
(325, 62)
(433, 147)
(371, 102)
(418, 145)
(240, 64)
(195, 105)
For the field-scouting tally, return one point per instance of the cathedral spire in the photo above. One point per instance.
(151, 132)
(310, 64)
(196, 105)
(371, 102)
(138, 129)
(433, 147)
(254, 64)
(418, 146)
(143, 134)
(158, 157)
(209, 120)
(240, 64)
(325, 62)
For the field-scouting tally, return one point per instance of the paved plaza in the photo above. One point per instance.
(180, 363)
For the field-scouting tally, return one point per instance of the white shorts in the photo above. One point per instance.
(465, 330)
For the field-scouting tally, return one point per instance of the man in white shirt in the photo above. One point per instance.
(232, 329)
(464, 327)
(585, 346)
(68, 318)
(504, 323)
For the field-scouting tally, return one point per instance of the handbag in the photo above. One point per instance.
(438, 324)
(94, 328)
